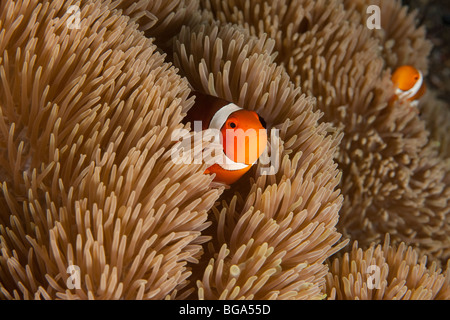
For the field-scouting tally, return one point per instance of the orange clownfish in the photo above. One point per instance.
(243, 135)
(409, 84)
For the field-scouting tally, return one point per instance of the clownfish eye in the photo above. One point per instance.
(232, 124)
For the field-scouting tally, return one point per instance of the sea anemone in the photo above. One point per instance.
(392, 180)
(384, 272)
(274, 234)
(86, 175)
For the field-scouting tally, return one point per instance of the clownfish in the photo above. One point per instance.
(240, 149)
(409, 84)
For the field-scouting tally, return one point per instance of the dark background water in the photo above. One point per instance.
(435, 15)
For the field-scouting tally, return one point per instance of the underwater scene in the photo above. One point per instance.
(224, 150)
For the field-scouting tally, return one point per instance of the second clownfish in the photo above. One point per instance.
(241, 151)
(409, 84)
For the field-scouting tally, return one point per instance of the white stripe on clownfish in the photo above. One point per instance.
(221, 116)
(217, 122)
